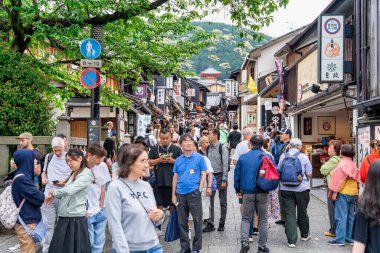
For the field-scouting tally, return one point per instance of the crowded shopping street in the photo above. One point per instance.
(181, 126)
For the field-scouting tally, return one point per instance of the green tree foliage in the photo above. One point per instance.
(24, 107)
(139, 36)
(227, 51)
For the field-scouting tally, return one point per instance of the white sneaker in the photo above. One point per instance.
(14, 249)
(306, 238)
(291, 245)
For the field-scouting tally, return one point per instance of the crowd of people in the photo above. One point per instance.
(131, 188)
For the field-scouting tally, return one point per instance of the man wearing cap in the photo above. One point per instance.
(285, 136)
(25, 141)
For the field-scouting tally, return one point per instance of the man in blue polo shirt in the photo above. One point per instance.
(188, 180)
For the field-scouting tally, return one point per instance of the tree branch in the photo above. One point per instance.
(104, 19)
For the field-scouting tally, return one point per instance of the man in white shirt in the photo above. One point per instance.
(55, 174)
(110, 127)
(244, 146)
(96, 216)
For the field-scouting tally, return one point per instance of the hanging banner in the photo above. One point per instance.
(142, 123)
(235, 89)
(141, 91)
(331, 49)
(160, 96)
(228, 83)
(280, 71)
(177, 87)
(169, 82)
(363, 149)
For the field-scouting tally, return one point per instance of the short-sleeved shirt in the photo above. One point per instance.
(164, 171)
(241, 149)
(56, 170)
(189, 172)
(366, 234)
(102, 176)
(234, 138)
(306, 170)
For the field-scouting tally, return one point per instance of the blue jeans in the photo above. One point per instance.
(155, 249)
(97, 231)
(344, 217)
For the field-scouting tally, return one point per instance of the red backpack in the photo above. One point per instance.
(267, 178)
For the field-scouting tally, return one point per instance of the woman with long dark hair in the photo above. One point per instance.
(367, 218)
(71, 233)
(131, 207)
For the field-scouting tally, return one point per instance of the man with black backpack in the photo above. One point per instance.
(246, 181)
(295, 171)
(218, 155)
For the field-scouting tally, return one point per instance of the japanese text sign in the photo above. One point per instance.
(160, 96)
(331, 49)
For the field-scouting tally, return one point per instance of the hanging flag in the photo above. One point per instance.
(252, 87)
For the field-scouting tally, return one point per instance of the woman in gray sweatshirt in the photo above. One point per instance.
(130, 205)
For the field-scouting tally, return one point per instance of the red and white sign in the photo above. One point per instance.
(90, 78)
(190, 92)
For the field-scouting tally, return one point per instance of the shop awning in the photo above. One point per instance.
(334, 94)
(177, 106)
(233, 105)
(263, 92)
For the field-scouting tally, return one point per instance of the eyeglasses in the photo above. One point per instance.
(205, 133)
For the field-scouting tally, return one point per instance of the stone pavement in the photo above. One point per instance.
(229, 240)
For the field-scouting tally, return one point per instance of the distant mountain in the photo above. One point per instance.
(225, 54)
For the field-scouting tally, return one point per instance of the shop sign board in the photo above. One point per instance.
(142, 122)
(331, 49)
(160, 96)
(228, 83)
(235, 89)
(169, 82)
(93, 130)
(190, 92)
(363, 146)
(377, 132)
(141, 91)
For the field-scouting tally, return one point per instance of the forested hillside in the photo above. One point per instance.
(227, 51)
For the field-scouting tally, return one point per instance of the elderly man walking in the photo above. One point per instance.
(295, 171)
(54, 175)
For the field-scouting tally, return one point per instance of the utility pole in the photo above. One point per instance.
(97, 34)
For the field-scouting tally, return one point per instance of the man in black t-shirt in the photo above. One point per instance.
(234, 138)
(163, 157)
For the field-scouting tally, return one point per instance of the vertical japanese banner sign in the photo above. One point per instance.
(142, 122)
(280, 71)
(228, 83)
(177, 88)
(331, 49)
(160, 96)
(363, 146)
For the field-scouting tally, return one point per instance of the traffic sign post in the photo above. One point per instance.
(90, 49)
(90, 78)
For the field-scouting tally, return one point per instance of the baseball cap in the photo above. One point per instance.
(25, 135)
(285, 131)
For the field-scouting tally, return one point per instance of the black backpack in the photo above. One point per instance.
(221, 154)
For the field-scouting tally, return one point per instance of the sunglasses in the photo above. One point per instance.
(205, 133)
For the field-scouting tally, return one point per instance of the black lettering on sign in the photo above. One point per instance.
(139, 195)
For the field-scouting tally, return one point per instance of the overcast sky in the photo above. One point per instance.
(297, 13)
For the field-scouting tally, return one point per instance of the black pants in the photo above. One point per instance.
(222, 200)
(191, 202)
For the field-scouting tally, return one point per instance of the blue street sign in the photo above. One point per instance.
(90, 48)
(90, 78)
